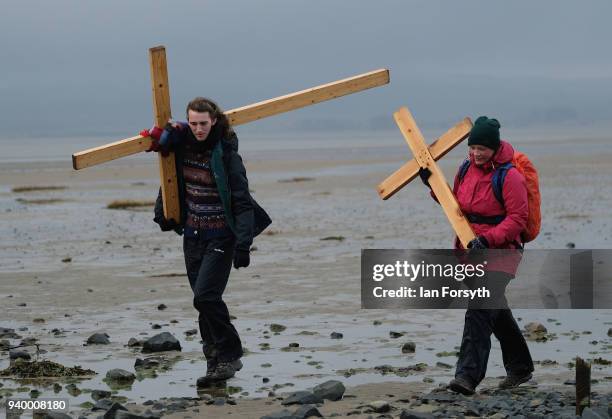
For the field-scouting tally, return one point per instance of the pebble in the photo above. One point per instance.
(98, 339)
(330, 390)
(120, 376)
(161, 342)
(301, 397)
(379, 406)
(336, 335)
(408, 348)
(15, 354)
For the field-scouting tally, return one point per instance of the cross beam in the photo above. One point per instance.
(438, 149)
(424, 157)
(238, 116)
(242, 115)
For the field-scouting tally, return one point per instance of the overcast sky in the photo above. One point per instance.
(80, 68)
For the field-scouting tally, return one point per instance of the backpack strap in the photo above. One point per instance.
(461, 174)
(498, 180)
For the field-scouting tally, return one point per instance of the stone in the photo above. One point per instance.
(15, 354)
(100, 394)
(443, 365)
(161, 342)
(8, 333)
(162, 307)
(336, 335)
(395, 335)
(307, 411)
(53, 415)
(111, 413)
(28, 341)
(122, 414)
(301, 397)
(191, 332)
(589, 413)
(133, 342)
(4, 344)
(380, 406)
(118, 375)
(102, 404)
(98, 339)
(535, 327)
(73, 390)
(330, 390)
(408, 348)
(147, 363)
(411, 414)
(610, 332)
(282, 414)
(277, 328)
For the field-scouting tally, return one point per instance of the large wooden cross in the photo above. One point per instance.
(426, 157)
(238, 116)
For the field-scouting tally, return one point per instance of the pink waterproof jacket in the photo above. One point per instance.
(475, 196)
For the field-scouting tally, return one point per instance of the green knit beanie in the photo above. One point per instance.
(485, 132)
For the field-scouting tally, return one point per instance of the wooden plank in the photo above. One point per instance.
(307, 97)
(583, 385)
(438, 183)
(244, 114)
(112, 151)
(438, 149)
(161, 110)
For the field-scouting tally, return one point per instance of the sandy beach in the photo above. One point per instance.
(70, 267)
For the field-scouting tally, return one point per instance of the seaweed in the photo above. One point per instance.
(129, 203)
(43, 369)
(19, 189)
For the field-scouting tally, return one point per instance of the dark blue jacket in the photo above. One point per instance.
(242, 213)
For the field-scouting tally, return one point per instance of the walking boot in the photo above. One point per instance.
(461, 385)
(512, 380)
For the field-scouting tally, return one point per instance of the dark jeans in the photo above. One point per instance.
(209, 263)
(476, 342)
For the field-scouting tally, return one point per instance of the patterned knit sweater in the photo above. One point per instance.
(205, 216)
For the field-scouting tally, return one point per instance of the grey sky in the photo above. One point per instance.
(80, 68)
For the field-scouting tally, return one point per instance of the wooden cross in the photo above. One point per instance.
(426, 157)
(238, 116)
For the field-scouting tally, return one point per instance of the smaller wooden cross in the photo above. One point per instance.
(426, 157)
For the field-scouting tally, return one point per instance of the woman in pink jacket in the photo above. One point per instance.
(498, 225)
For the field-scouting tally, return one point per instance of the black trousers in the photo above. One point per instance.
(209, 263)
(476, 342)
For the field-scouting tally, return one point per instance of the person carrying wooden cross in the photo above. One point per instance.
(497, 225)
(219, 220)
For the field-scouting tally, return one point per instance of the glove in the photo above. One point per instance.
(478, 243)
(155, 132)
(242, 259)
(424, 174)
(158, 136)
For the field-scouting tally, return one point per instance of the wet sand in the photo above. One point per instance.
(84, 269)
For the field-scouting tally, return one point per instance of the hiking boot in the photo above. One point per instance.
(461, 385)
(223, 371)
(512, 381)
(211, 364)
(236, 364)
